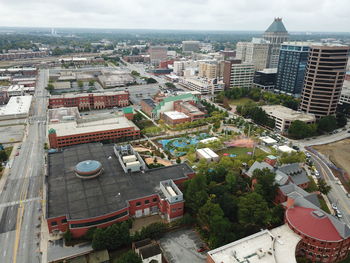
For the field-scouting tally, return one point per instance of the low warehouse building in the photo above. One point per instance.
(207, 154)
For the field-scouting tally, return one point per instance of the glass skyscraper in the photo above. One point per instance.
(291, 67)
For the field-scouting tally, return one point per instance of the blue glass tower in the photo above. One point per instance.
(291, 67)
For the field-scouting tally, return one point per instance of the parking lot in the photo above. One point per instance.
(181, 246)
(11, 134)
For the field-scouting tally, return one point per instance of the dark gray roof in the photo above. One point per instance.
(150, 102)
(341, 227)
(143, 243)
(276, 26)
(295, 192)
(77, 198)
(258, 165)
(150, 251)
(296, 173)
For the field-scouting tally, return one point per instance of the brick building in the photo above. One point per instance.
(67, 127)
(189, 108)
(87, 101)
(115, 195)
(173, 118)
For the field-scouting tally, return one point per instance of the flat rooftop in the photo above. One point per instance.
(77, 95)
(282, 112)
(74, 127)
(78, 198)
(61, 114)
(175, 115)
(275, 246)
(17, 105)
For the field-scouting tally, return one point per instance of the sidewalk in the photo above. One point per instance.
(7, 170)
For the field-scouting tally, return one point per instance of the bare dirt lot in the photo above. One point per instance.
(338, 153)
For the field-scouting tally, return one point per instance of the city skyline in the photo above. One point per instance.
(310, 16)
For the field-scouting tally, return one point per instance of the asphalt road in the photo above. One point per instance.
(21, 197)
(338, 194)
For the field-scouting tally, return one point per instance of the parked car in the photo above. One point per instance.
(348, 195)
(339, 214)
(317, 174)
(334, 206)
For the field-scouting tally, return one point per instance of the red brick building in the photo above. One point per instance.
(173, 118)
(87, 101)
(190, 109)
(79, 204)
(324, 238)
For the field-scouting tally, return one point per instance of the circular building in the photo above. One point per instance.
(324, 238)
(88, 169)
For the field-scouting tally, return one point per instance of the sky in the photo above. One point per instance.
(298, 15)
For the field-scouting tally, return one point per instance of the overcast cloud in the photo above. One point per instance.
(298, 15)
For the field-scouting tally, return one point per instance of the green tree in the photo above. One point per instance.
(293, 157)
(80, 84)
(341, 120)
(323, 187)
(91, 83)
(178, 160)
(327, 124)
(299, 130)
(266, 185)
(150, 81)
(253, 210)
(3, 156)
(129, 257)
(50, 87)
(152, 231)
(68, 236)
(111, 237)
(196, 193)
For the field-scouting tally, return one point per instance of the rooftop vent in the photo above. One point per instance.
(318, 214)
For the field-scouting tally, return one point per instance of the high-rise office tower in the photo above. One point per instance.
(256, 52)
(325, 73)
(241, 50)
(207, 70)
(238, 75)
(291, 67)
(276, 34)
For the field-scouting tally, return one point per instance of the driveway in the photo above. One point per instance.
(181, 246)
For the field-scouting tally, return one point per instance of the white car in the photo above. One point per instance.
(317, 173)
(334, 206)
(338, 213)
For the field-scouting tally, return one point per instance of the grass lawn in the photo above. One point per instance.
(241, 152)
(240, 101)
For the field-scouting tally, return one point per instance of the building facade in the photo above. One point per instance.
(265, 79)
(157, 54)
(284, 116)
(291, 67)
(238, 74)
(88, 101)
(276, 34)
(207, 70)
(255, 52)
(325, 73)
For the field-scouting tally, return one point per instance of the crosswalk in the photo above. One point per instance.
(20, 202)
